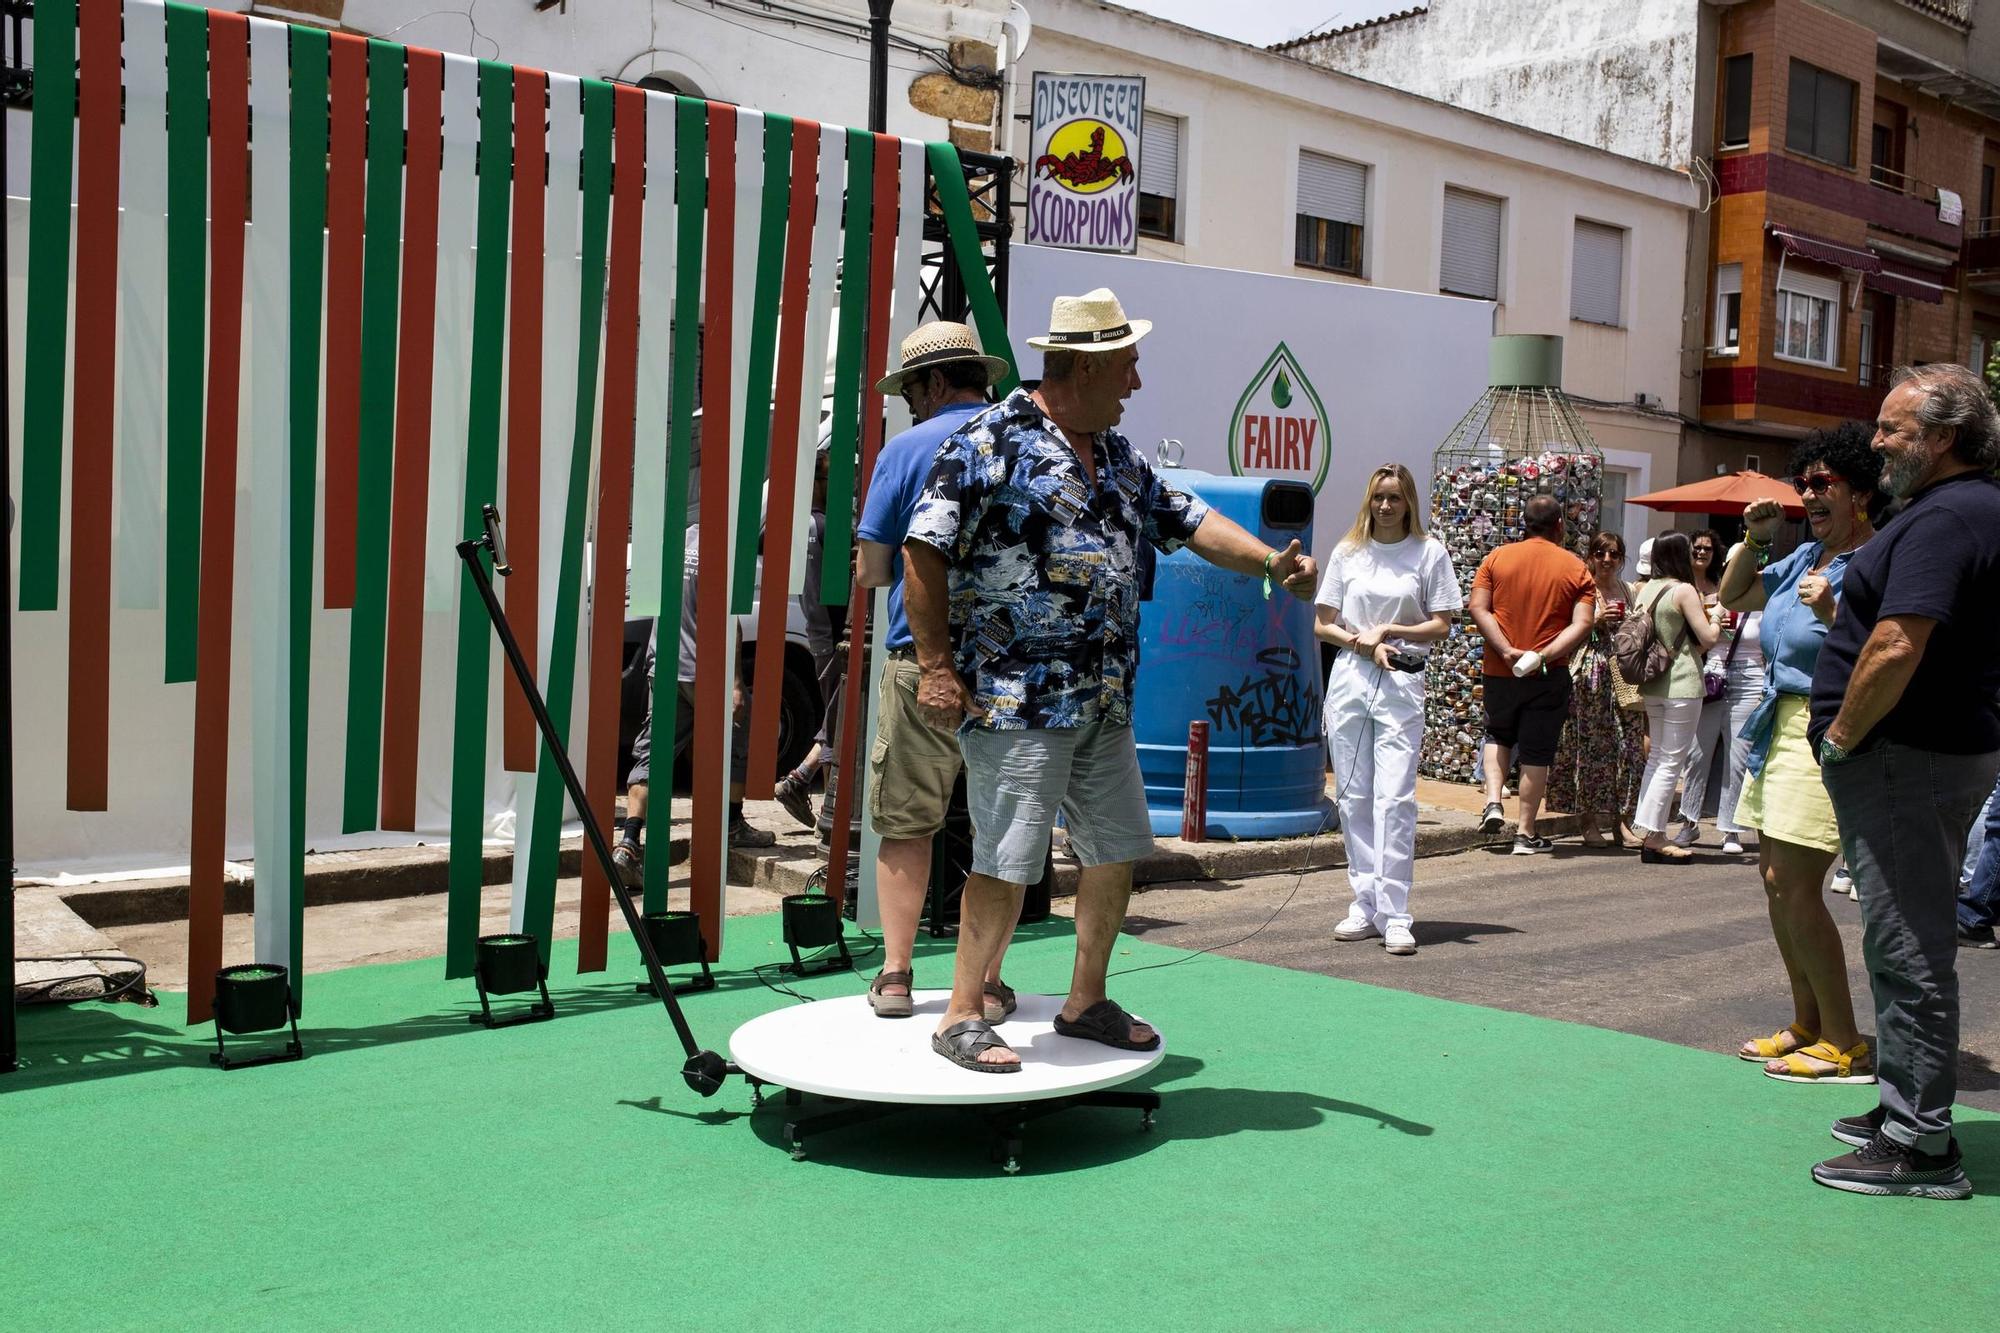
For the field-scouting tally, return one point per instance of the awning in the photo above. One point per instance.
(1822, 251)
(1903, 284)
(1919, 277)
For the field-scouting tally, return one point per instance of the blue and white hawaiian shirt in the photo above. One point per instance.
(1044, 569)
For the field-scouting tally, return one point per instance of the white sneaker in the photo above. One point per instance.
(1732, 845)
(1687, 833)
(1398, 939)
(1841, 882)
(1355, 927)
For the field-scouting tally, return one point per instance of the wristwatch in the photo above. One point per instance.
(1831, 753)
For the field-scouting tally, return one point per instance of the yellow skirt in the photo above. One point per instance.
(1787, 801)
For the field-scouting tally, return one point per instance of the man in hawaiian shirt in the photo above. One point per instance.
(1023, 557)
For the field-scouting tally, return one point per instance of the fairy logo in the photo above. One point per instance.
(1280, 427)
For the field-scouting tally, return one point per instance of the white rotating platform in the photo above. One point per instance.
(841, 1050)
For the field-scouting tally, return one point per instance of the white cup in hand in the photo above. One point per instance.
(1528, 663)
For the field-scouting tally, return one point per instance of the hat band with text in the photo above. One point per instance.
(1091, 335)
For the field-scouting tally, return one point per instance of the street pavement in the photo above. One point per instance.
(1680, 954)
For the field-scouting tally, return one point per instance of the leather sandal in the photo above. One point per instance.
(1849, 1066)
(1775, 1047)
(1107, 1023)
(961, 1044)
(999, 1002)
(891, 1006)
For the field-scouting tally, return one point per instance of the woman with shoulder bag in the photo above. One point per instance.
(1603, 749)
(1732, 682)
(1797, 839)
(1681, 632)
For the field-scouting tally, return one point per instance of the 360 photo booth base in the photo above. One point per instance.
(875, 1067)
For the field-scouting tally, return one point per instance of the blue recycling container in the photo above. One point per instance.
(1211, 647)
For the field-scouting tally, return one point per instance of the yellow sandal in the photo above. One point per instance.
(1842, 1065)
(1773, 1047)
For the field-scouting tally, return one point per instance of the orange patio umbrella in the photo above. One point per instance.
(1724, 495)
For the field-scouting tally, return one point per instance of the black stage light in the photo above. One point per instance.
(510, 965)
(812, 921)
(677, 942)
(254, 997)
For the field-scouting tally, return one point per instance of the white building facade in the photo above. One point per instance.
(1255, 161)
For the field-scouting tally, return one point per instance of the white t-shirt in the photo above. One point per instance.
(1389, 583)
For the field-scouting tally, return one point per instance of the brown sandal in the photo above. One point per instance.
(999, 1002)
(891, 1006)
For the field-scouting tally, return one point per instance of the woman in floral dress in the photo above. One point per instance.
(1603, 751)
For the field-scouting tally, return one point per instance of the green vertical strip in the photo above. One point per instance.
(546, 845)
(310, 53)
(763, 356)
(482, 484)
(45, 383)
(690, 203)
(836, 574)
(187, 321)
(949, 174)
(368, 627)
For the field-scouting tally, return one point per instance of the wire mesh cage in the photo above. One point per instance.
(1521, 439)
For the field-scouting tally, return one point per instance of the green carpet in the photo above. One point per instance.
(1329, 1155)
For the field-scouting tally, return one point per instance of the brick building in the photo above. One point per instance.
(1847, 149)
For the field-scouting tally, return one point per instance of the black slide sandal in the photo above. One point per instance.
(1105, 1022)
(961, 1044)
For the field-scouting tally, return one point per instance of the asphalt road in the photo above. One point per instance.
(1680, 954)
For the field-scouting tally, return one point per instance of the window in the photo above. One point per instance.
(1865, 375)
(1984, 226)
(1333, 204)
(1819, 117)
(1470, 261)
(1809, 318)
(1736, 102)
(1597, 274)
(1728, 307)
(1159, 176)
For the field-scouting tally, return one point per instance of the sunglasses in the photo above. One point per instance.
(1818, 483)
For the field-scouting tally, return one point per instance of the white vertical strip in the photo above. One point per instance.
(139, 541)
(902, 319)
(819, 320)
(562, 284)
(656, 303)
(270, 486)
(451, 356)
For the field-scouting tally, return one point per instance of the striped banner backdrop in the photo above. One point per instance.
(425, 294)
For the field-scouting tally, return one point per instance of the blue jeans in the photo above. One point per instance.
(1979, 901)
(1904, 814)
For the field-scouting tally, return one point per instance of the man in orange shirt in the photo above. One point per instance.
(1534, 603)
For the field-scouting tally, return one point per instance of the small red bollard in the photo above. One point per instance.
(1194, 804)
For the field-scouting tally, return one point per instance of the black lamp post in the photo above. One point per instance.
(9, 1040)
(878, 64)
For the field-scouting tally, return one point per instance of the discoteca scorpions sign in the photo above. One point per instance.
(1083, 183)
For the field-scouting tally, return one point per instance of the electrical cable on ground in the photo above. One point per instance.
(137, 981)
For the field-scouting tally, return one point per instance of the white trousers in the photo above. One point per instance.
(1670, 727)
(1716, 733)
(1374, 721)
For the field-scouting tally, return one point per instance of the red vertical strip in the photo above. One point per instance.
(768, 687)
(416, 339)
(229, 142)
(881, 278)
(614, 502)
(709, 857)
(90, 460)
(524, 406)
(346, 217)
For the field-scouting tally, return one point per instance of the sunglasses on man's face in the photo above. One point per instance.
(1818, 483)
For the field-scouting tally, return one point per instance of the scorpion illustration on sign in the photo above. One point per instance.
(1085, 168)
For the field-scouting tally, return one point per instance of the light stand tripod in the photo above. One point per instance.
(704, 1070)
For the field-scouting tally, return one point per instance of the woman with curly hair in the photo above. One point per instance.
(1836, 471)
(1603, 750)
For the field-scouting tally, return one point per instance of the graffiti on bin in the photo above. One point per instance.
(1279, 707)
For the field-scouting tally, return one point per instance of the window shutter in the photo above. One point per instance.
(1470, 265)
(1332, 189)
(1160, 155)
(1818, 287)
(1597, 274)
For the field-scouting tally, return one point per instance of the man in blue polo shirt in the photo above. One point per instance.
(1906, 723)
(913, 765)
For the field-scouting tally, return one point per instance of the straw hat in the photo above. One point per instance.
(937, 344)
(1093, 322)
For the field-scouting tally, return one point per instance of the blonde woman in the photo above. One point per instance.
(1388, 591)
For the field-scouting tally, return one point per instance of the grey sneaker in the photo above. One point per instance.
(1493, 818)
(1856, 1130)
(1527, 844)
(630, 864)
(742, 833)
(1687, 834)
(797, 801)
(1884, 1166)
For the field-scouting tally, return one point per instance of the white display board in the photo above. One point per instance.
(1083, 167)
(1259, 375)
